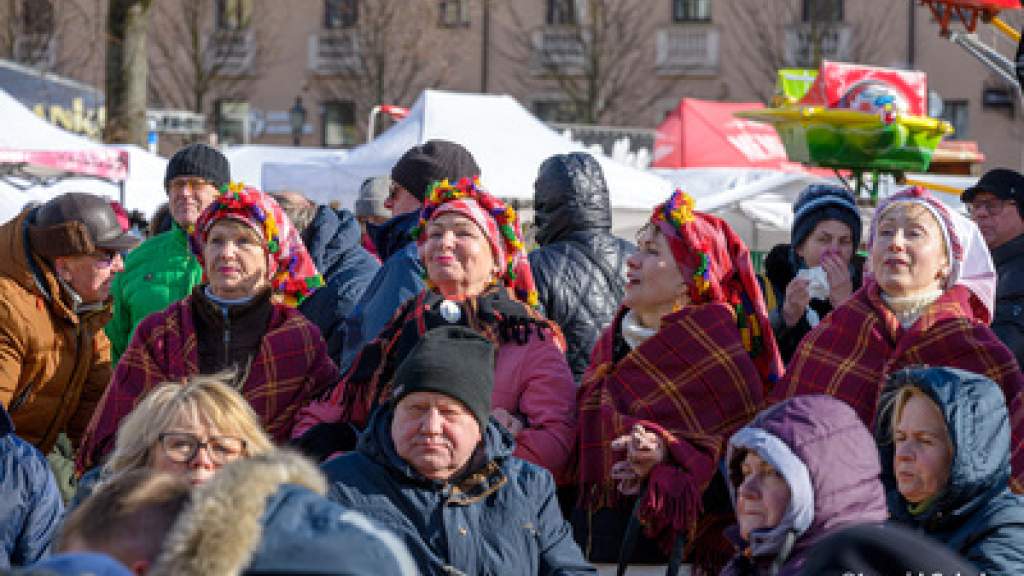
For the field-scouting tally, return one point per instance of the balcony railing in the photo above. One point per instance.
(232, 52)
(334, 51)
(39, 50)
(687, 49)
(807, 44)
(560, 50)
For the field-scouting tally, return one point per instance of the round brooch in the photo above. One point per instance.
(450, 311)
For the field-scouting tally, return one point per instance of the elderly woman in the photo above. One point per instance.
(477, 275)
(686, 362)
(819, 269)
(801, 470)
(944, 439)
(189, 429)
(929, 302)
(242, 317)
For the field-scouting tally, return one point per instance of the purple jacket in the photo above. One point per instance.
(830, 461)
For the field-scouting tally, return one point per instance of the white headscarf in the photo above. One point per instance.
(971, 263)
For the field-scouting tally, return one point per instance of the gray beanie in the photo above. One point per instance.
(372, 195)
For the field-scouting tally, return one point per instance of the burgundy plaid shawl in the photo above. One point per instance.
(850, 353)
(693, 382)
(291, 368)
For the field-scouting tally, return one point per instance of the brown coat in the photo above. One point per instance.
(54, 364)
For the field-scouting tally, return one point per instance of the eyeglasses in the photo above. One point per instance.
(393, 190)
(182, 447)
(179, 184)
(991, 207)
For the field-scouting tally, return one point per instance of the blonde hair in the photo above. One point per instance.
(208, 400)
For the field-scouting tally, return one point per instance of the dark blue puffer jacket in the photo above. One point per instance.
(333, 242)
(30, 504)
(503, 519)
(976, 515)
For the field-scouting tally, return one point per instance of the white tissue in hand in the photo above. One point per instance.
(818, 286)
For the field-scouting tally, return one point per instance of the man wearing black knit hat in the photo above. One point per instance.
(996, 204)
(433, 467)
(163, 270)
(401, 275)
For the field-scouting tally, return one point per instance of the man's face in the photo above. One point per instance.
(90, 276)
(436, 434)
(400, 200)
(188, 196)
(998, 219)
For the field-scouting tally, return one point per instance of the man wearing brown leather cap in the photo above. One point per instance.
(60, 259)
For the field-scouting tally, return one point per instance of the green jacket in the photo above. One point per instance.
(160, 271)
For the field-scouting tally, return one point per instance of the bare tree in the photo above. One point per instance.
(596, 57)
(127, 68)
(386, 55)
(785, 33)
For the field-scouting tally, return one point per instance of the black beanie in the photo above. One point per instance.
(882, 549)
(451, 360)
(434, 160)
(820, 202)
(200, 161)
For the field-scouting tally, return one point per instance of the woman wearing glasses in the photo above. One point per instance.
(242, 318)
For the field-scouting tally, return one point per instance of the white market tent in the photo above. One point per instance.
(247, 160)
(23, 130)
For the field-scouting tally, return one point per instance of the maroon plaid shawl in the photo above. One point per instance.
(291, 368)
(849, 354)
(693, 382)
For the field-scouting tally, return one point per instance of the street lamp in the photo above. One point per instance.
(297, 118)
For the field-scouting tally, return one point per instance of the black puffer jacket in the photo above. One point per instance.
(1008, 322)
(580, 268)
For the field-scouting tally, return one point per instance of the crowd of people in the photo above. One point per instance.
(271, 386)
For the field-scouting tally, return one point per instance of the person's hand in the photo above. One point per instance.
(797, 299)
(644, 450)
(506, 419)
(840, 286)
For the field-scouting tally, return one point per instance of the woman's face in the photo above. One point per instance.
(654, 284)
(457, 255)
(194, 451)
(236, 262)
(923, 452)
(762, 497)
(908, 256)
(828, 236)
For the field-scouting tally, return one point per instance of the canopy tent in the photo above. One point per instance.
(507, 141)
(42, 153)
(247, 160)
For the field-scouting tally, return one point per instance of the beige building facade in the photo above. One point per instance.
(248, 70)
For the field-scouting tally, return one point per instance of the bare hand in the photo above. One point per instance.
(840, 286)
(797, 298)
(644, 450)
(506, 419)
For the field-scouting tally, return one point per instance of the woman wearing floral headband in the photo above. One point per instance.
(242, 318)
(686, 362)
(477, 275)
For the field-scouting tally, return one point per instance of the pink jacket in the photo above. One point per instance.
(532, 382)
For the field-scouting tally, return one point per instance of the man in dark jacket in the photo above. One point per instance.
(435, 468)
(401, 276)
(991, 204)
(580, 268)
(333, 240)
(30, 504)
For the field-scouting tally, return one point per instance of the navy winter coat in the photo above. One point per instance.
(503, 519)
(399, 279)
(580, 268)
(30, 504)
(333, 240)
(976, 515)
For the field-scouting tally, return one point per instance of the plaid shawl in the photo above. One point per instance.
(694, 382)
(291, 368)
(495, 314)
(855, 347)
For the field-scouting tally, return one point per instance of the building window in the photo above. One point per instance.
(561, 13)
(454, 13)
(822, 10)
(555, 110)
(339, 124)
(234, 14)
(691, 10)
(37, 17)
(955, 112)
(232, 122)
(340, 14)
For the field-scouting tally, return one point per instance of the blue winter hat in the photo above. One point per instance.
(820, 202)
